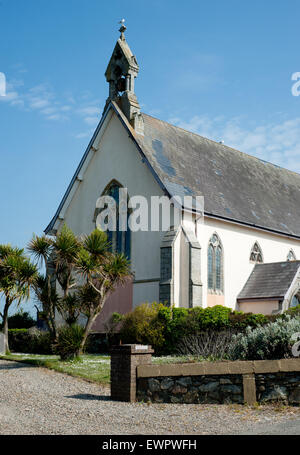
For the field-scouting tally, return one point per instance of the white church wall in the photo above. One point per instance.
(237, 243)
(118, 159)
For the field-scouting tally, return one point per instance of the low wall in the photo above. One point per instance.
(220, 382)
(134, 377)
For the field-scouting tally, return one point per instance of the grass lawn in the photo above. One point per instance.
(94, 367)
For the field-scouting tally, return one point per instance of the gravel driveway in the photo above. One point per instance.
(39, 401)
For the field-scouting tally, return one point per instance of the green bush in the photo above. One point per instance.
(240, 320)
(165, 327)
(20, 320)
(31, 341)
(293, 311)
(143, 326)
(268, 342)
(68, 341)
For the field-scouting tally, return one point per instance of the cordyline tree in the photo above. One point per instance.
(86, 270)
(17, 276)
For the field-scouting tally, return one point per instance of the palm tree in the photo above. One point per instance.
(59, 257)
(17, 276)
(103, 272)
(49, 304)
(41, 247)
(86, 271)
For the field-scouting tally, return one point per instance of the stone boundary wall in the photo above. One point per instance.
(134, 377)
(220, 382)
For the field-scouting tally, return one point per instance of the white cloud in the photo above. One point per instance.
(89, 110)
(42, 99)
(84, 134)
(91, 120)
(276, 142)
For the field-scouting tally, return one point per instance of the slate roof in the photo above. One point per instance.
(235, 186)
(269, 280)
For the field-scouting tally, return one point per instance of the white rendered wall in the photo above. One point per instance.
(118, 159)
(237, 243)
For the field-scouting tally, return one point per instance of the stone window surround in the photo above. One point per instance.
(214, 291)
(114, 182)
(256, 245)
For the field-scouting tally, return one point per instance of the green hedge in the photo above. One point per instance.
(29, 342)
(39, 342)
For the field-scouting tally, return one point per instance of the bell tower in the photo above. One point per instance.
(120, 74)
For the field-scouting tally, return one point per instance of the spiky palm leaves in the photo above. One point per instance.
(17, 276)
(85, 269)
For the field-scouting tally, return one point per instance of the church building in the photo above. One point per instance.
(241, 251)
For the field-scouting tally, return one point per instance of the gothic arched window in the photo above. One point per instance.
(215, 264)
(256, 254)
(291, 256)
(118, 236)
(295, 301)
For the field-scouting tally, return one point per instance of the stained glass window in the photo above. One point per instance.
(119, 239)
(215, 264)
(210, 267)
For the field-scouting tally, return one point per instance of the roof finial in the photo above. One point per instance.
(122, 29)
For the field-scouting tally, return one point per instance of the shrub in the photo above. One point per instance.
(29, 341)
(240, 320)
(20, 320)
(213, 344)
(142, 325)
(293, 311)
(68, 341)
(101, 343)
(183, 322)
(268, 342)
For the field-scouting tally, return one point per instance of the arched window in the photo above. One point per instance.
(215, 264)
(119, 237)
(291, 256)
(295, 301)
(256, 254)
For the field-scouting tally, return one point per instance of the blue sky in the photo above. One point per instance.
(221, 69)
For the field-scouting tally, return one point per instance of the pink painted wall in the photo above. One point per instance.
(120, 301)
(263, 307)
(214, 299)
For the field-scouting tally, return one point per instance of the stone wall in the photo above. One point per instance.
(134, 377)
(191, 389)
(221, 382)
(283, 387)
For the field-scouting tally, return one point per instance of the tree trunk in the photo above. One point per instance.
(5, 325)
(86, 332)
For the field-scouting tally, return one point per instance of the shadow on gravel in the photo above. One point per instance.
(13, 366)
(89, 396)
